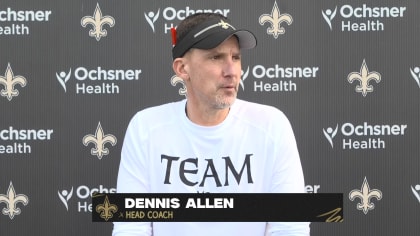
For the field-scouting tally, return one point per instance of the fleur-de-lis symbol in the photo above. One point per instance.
(275, 19)
(9, 81)
(12, 199)
(175, 80)
(364, 77)
(98, 21)
(224, 25)
(106, 209)
(99, 140)
(365, 194)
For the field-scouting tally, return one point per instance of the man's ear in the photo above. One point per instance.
(178, 65)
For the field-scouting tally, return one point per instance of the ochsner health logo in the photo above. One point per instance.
(362, 136)
(361, 18)
(96, 80)
(416, 191)
(171, 16)
(15, 141)
(18, 22)
(65, 196)
(277, 78)
(82, 196)
(415, 74)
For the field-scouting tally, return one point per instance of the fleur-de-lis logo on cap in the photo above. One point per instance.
(99, 140)
(12, 199)
(98, 21)
(9, 81)
(224, 25)
(275, 20)
(106, 209)
(365, 194)
(364, 77)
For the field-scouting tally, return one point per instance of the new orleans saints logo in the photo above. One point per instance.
(275, 20)
(106, 209)
(224, 25)
(98, 21)
(99, 140)
(9, 81)
(364, 77)
(12, 199)
(365, 194)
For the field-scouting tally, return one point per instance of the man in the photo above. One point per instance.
(210, 142)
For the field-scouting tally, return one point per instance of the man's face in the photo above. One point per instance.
(214, 74)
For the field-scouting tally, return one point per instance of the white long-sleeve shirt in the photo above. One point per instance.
(252, 151)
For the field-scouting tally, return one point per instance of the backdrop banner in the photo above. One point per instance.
(345, 73)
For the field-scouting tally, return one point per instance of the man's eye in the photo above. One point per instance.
(236, 57)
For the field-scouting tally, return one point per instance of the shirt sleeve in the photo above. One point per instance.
(132, 176)
(287, 176)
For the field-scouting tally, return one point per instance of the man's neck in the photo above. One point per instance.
(205, 116)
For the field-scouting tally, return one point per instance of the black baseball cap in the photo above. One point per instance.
(210, 34)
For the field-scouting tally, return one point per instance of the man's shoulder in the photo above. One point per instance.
(165, 111)
(265, 117)
(250, 109)
(270, 120)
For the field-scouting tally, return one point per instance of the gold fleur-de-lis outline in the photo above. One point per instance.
(275, 20)
(99, 140)
(98, 21)
(364, 77)
(9, 81)
(12, 199)
(106, 209)
(365, 194)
